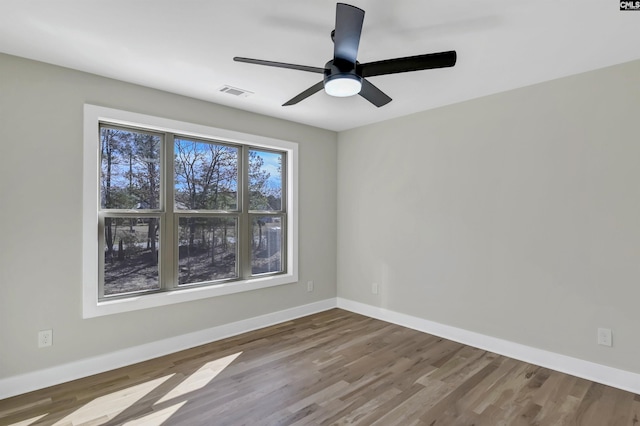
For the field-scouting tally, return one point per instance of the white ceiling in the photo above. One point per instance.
(187, 46)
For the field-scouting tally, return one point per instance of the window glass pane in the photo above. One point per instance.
(207, 249)
(129, 169)
(265, 180)
(131, 254)
(206, 176)
(266, 244)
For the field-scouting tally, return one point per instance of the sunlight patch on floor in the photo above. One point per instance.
(107, 407)
(28, 421)
(200, 378)
(157, 417)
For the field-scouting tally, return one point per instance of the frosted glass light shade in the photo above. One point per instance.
(343, 86)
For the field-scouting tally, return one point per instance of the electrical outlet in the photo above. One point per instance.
(309, 286)
(374, 288)
(45, 338)
(604, 337)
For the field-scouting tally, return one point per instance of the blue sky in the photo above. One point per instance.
(271, 166)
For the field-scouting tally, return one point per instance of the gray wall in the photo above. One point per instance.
(515, 215)
(41, 112)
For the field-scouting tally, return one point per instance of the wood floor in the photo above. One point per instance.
(335, 367)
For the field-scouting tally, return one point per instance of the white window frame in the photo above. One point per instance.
(92, 306)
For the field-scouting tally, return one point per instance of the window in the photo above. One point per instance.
(180, 211)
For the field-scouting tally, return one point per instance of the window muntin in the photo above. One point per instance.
(203, 230)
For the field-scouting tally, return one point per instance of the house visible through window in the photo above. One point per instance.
(178, 211)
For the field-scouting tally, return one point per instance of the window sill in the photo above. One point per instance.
(134, 303)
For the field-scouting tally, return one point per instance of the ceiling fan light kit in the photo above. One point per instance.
(344, 75)
(341, 84)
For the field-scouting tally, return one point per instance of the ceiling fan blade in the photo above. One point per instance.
(409, 63)
(304, 95)
(346, 37)
(279, 64)
(373, 94)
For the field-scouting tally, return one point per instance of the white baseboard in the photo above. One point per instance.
(40, 379)
(599, 373)
(610, 376)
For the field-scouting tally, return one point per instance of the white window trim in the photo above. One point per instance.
(92, 307)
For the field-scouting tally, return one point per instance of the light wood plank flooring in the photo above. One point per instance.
(334, 367)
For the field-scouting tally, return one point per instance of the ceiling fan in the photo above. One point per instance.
(344, 75)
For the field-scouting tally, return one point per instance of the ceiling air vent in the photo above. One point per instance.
(235, 91)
